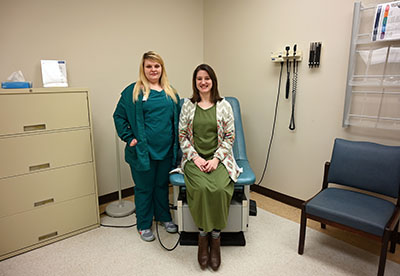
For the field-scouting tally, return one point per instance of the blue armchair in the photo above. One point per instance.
(362, 167)
(239, 209)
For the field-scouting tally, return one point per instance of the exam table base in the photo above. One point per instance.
(227, 238)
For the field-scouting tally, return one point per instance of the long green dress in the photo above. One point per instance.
(208, 194)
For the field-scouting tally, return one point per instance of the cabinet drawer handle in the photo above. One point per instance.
(43, 202)
(39, 167)
(47, 236)
(35, 127)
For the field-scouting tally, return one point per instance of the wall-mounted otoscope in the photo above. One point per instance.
(287, 72)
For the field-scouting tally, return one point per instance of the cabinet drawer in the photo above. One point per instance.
(22, 113)
(42, 189)
(44, 224)
(27, 154)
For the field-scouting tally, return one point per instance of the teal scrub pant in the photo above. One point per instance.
(151, 193)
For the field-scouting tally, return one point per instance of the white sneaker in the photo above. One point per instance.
(170, 227)
(147, 235)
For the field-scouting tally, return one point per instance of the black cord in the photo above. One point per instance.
(292, 125)
(168, 249)
(158, 235)
(273, 126)
(118, 226)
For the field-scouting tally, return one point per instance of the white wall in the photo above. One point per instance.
(239, 37)
(102, 42)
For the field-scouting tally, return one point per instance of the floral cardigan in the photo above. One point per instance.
(226, 136)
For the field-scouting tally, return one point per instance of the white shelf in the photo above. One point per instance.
(373, 80)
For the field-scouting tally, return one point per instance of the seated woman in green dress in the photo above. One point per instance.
(206, 136)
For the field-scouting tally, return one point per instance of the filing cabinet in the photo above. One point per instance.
(48, 188)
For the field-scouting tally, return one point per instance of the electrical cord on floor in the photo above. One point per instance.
(118, 226)
(273, 127)
(158, 235)
(172, 207)
(168, 249)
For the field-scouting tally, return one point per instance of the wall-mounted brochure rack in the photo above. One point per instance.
(373, 79)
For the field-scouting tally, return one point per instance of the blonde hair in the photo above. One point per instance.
(142, 85)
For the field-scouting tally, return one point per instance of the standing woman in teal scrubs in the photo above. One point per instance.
(146, 119)
(206, 136)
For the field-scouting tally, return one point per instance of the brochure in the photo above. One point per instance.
(386, 22)
(54, 73)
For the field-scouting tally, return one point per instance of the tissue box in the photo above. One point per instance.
(16, 84)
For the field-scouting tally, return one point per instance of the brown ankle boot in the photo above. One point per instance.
(215, 253)
(202, 254)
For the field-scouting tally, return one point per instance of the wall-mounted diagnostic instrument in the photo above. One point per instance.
(290, 56)
(315, 54)
(288, 63)
(281, 56)
(292, 125)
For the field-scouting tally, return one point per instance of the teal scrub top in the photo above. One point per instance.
(158, 111)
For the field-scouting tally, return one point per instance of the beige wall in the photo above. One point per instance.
(239, 37)
(102, 42)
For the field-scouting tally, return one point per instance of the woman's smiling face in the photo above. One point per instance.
(152, 70)
(203, 82)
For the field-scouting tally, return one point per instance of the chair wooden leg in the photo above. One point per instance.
(303, 224)
(393, 240)
(384, 248)
(323, 225)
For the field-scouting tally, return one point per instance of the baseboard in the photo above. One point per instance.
(114, 196)
(292, 201)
